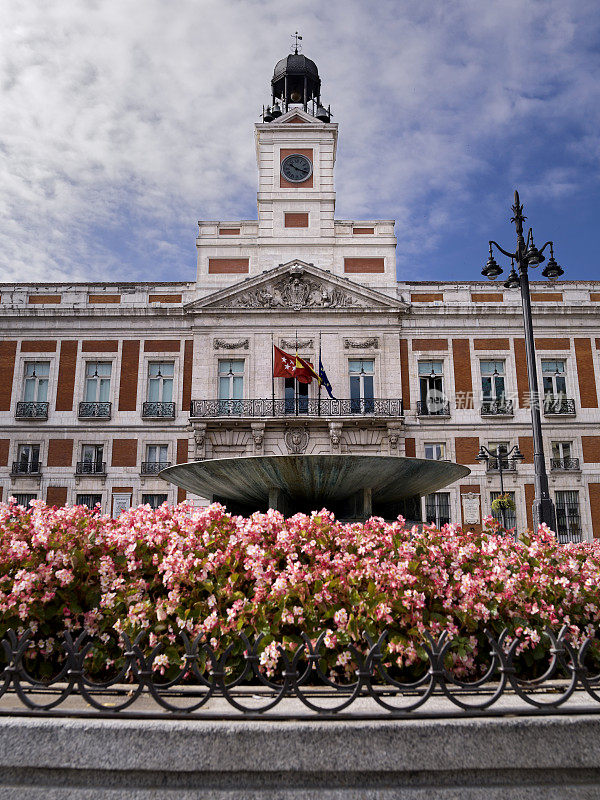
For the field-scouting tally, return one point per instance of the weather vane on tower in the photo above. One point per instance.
(297, 47)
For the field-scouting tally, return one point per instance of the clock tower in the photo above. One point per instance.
(296, 146)
(295, 151)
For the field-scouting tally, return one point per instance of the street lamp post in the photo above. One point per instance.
(514, 454)
(527, 255)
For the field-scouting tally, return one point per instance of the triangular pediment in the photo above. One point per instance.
(297, 286)
(297, 116)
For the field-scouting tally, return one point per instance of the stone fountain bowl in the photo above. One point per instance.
(321, 479)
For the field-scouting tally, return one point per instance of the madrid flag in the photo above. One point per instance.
(289, 366)
(284, 365)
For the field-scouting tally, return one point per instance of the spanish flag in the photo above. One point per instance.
(304, 371)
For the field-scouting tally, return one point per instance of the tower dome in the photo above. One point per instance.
(295, 81)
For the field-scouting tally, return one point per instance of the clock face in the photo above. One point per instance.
(296, 168)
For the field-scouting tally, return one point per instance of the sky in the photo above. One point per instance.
(123, 122)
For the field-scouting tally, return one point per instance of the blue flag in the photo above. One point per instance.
(324, 380)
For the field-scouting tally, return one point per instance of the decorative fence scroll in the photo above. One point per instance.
(221, 679)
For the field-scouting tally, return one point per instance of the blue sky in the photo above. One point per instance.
(123, 122)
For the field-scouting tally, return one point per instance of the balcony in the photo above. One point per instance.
(153, 467)
(152, 410)
(94, 410)
(300, 406)
(433, 408)
(24, 468)
(497, 408)
(32, 410)
(555, 406)
(507, 464)
(90, 468)
(564, 464)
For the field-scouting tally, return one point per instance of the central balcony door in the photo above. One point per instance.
(361, 385)
(296, 397)
(231, 385)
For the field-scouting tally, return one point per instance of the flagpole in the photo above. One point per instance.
(319, 371)
(296, 393)
(272, 373)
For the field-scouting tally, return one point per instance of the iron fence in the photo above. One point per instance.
(298, 406)
(25, 468)
(153, 467)
(88, 410)
(564, 463)
(497, 408)
(433, 408)
(158, 410)
(90, 468)
(206, 685)
(558, 405)
(32, 410)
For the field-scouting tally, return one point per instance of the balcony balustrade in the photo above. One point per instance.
(565, 464)
(433, 408)
(507, 464)
(32, 410)
(497, 408)
(558, 405)
(299, 406)
(90, 468)
(153, 467)
(25, 468)
(154, 410)
(94, 410)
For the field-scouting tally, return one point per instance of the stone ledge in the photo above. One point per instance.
(551, 757)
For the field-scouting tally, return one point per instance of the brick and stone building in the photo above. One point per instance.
(102, 384)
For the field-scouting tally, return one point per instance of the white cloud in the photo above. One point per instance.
(122, 121)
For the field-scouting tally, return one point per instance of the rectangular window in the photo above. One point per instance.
(437, 508)
(431, 388)
(435, 451)
(510, 514)
(231, 384)
(362, 394)
(154, 500)
(568, 520)
(35, 389)
(554, 379)
(157, 453)
(160, 381)
(492, 381)
(92, 453)
(89, 500)
(561, 450)
(92, 459)
(23, 499)
(28, 458)
(97, 381)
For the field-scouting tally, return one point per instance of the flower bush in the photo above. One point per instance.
(204, 571)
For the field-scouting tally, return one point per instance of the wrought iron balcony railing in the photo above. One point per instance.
(558, 405)
(299, 406)
(564, 463)
(25, 468)
(158, 410)
(153, 467)
(507, 464)
(90, 468)
(32, 410)
(497, 408)
(433, 408)
(94, 410)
